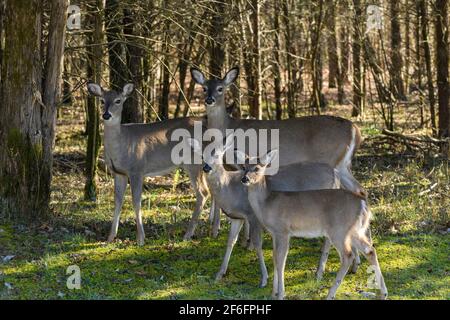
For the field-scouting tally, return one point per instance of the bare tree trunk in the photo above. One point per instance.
(93, 129)
(407, 45)
(333, 63)
(291, 106)
(441, 27)
(428, 66)
(356, 48)
(277, 62)
(117, 61)
(22, 182)
(217, 42)
(52, 87)
(396, 56)
(256, 106)
(317, 98)
(165, 89)
(132, 110)
(2, 18)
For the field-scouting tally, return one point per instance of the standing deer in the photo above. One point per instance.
(340, 215)
(324, 139)
(231, 195)
(134, 151)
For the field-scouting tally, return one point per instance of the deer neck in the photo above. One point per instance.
(218, 118)
(112, 140)
(257, 196)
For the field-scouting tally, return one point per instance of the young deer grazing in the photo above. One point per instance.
(134, 151)
(324, 139)
(340, 215)
(231, 195)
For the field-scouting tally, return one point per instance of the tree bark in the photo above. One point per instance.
(291, 105)
(132, 109)
(22, 182)
(333, 62)
(277, 62)
(217, 39)
(356, 55)
(52, 86)
(397, 86)
(256, 105)
(428, 64)
(93, 130)
(441, 27)
(117, 61)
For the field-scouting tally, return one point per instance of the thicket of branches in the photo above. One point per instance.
(291, 52)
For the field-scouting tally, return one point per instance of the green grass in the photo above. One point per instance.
(409, 197)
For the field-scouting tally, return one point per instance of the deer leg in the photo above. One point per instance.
(245, 236)
(356, 260)
(256, 238)
(371, 255)
(323, 259)
(136, 193)
(216, 222)
(280, 251)
(120, 185)
(236, 225)
(346, 255)
(200, 200)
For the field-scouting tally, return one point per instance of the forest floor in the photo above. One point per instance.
(409, 197)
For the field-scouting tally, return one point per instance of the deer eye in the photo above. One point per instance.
(256, 169)
(204, 89)
(117, 101)
(220, 89)
(102, 101)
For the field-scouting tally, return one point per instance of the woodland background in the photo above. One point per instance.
(297, 57)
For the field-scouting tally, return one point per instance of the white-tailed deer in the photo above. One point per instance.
(324, 139)
(340, 215)
(231, 195)
(134, 151)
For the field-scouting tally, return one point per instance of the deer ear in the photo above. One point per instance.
(198, 76)
(195, 145)
(241, 157)
(95, 89)
(229, 142)
(128, 89)
(231, 76)
(269, 157)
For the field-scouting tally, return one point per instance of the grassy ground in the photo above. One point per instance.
(408, 195)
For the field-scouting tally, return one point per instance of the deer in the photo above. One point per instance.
(231, 195)
(324, 139)
(137, 150)
(340, 215)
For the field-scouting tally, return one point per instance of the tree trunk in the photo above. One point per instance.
(356, 48)
(22, 182)
(52, 87)
(256, 105)
(217, 41)
(277, 62)
(441, 20)
(396, 56)
(291, 106)
(94, 72)
(163, 111)
(317, 98)
(117, 66)
(333, 63)
(132, 109)
(428, 66)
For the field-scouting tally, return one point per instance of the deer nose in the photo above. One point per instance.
(210, 100)
(206, 168)
(107, 116)
(245, 180)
